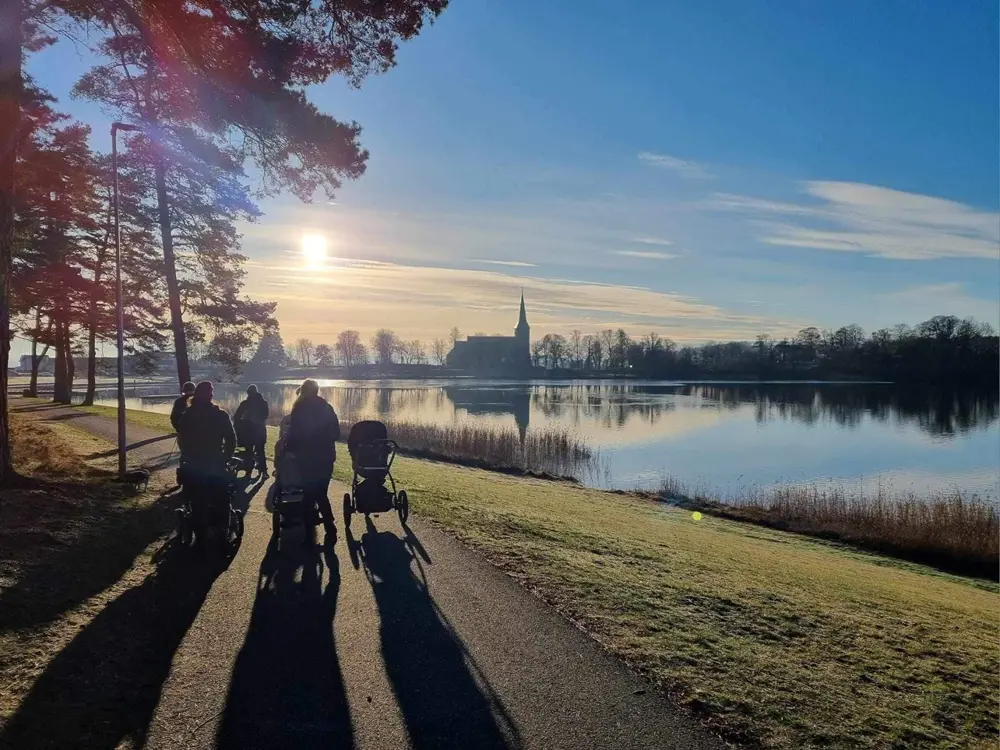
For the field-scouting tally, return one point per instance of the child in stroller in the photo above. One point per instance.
(372, 454)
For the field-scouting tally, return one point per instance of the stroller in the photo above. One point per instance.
(288, 507)
(244, 458)
(208, 509)
(372, 454)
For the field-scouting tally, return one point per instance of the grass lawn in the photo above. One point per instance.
(69, 539)
(773, 638)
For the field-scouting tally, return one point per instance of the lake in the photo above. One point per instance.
(721, 437)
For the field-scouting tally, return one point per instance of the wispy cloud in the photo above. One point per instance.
(647, 254)
(688, 169)
(422, 301)
(515, 263)
(651, 241)
(876, 221)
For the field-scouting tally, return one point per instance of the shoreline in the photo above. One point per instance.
(982, 568)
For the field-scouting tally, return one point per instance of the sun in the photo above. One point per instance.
(314, 249)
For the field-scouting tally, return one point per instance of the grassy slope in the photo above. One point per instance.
(68, 541)
(772, 637)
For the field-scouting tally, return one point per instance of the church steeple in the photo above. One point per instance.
(523, 328)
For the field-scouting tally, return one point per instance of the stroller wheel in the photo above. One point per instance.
(403, 506)
(348, 510)
(183, 528)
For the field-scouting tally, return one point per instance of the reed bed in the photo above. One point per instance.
(549, 452)
(955, 530)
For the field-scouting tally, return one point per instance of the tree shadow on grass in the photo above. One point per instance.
(286, 688)
(103, 687)
(133, 446)
(35, 407)
(83, 538)
(445, 700)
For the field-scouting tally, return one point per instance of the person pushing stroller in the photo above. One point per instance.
(208, 441)
(250, 423)
(312, 435)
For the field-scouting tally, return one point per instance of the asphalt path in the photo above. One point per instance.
(394, 637)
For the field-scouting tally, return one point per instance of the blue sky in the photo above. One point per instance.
(708, 170)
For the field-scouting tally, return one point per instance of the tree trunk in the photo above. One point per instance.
(173, 290)
(10, 120)
(92, 323)
(70, 363)
(61, 385)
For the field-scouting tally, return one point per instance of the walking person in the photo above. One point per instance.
(209, 442)
(313, 431)
(180, 406)
(251, 424)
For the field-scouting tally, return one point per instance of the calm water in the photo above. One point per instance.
(721, 437)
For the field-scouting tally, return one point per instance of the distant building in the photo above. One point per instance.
(46, 365)
(493, 354)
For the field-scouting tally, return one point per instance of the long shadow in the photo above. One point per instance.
(95, 557)
(445, 700)
(65, 417)
(286, 688)
(102, 689)
(36, 407)
(246, 490)
(131, 446)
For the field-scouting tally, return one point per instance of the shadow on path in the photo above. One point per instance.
(286, 689)
(445, 700)
(102, 688)
(132, 447)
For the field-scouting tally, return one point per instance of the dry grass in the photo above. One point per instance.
(68, 535)
(550, 452)
(949, 529)
(776, 640)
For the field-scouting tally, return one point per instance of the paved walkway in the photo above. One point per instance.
(395, 638)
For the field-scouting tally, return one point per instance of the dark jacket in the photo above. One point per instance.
(251, 418)
(208, 437)
(180, 406)
(313, 432)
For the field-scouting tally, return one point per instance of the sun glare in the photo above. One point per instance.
(314, 250)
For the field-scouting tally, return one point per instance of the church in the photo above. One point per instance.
(495, 354)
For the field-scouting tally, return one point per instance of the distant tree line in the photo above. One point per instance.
(942, 349)
(384, 349)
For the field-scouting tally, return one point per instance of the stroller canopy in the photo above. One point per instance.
(365, 433)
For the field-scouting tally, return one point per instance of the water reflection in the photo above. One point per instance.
(706, 432)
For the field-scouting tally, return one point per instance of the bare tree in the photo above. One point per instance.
(454, 335)
(350, 349)
(607, 337)
(416, 352)
(385, 344)
(537, 352)
(324, 355)
(439, 351)
(555, 349)
(305, 350)
(576, 350)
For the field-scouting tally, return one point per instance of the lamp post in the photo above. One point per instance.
(119, 307)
